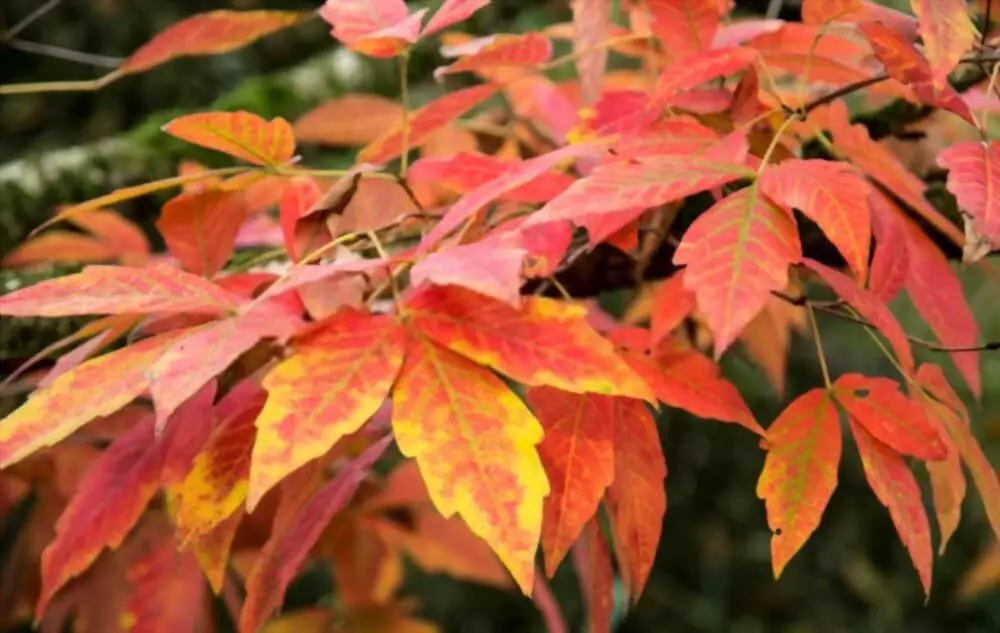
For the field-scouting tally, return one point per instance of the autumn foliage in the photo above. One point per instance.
(219, 426)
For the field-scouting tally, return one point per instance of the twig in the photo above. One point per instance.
(843, 92)
(59, 52)
(28, 21)
(409, 192)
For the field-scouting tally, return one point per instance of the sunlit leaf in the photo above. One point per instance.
(240, 134)
(947, 31)
(974, 179)
(378, 28)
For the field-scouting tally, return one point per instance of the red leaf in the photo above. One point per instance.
(119, 290)
(209, 33)
(106, 506)
(377, 28)
(947, 31)
(242, 135)
(800, 472)
(200, 228)
(831, 194)
(578, 455)
(503, 51)
(596, 577)
(335, 379)
(823, 11)
(467, 170)
(637, 497)
(167, 592)
(736, 253)
(452, 12)
(185, 433)
(891, 261)
(288, 546)
(491, 270)
(422, 123)
(974, 179)
(672, 304)
(870, 307)
(893, 483)
(121, 235)
(698, 70)
(591, 21)
(685, 28)
(898, 422)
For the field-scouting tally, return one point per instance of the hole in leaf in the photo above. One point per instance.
(862, 393)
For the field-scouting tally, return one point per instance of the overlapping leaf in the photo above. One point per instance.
(119, 290)
(947, 31)
(501, 51)
(543, 342)
(334, 380)
(444, 404)
(736, 254)
(697, 70)
(671, 305)
(685, 28)
(466, 171)
(240, 134)
(831, 194)
(800, 472)
(490, 269)
(823, 11)
(209, 33)
(378, 28)
(974, 179)
(200, 228)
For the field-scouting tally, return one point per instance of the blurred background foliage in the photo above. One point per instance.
(713, 568)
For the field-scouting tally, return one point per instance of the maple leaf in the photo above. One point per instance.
(697, 20)
(354, 119)
(596, 577)
(464, 171)
(637, 497)
(422, 123)
(502, 51)
(578, 455)
(108, 502)
(167, 589)
(200, 228)
(240, 134)
(377, 28)
(444, 404)
(293, 536)
(210, 33)
(823, 11)
(800, 472)
(736, 253)
(93, 389)
(544, 342)
(831, 194)
(893, 483)
(119, 290)
(334, 380)
(947, 31)
(452, 12)
(898, 422)
(974, 179)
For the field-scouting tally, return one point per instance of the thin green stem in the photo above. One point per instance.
(404, 95)
(819, 347)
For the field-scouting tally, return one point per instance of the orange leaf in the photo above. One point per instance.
(291, 540)
(736, 253)
(948, 491)
(503, 50)
(335, 379)
(596, 577)
(974, 179)
(898, 422)
(947, 31)
(423, 122)
(452, 12)
(870, 307)
(57, 247)
(831, 194)
(107, 504)
(444, 404)
(545, 342)
(637, 498)
(672, 304)
(468, 170)
(209, 33)
(200, 228)
(240, 134)
(578, 455)
(119, 290)
(800, 472)
(823, 11)
(96, 388)
(167, 592)
(354, 119)
(487, 268)
(697, 70)
(212, 550)
(377, 28)
(893, 483)
(685, 28)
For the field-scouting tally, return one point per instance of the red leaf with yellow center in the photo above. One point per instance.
(209, 33)
(334, 380)
(893, 483)
(200, 228)
(578, 455)
(377, 28)
(542, 342)
(475, 443)
(948, 33)
(736, 253)
(93, 389)
(119, 290)
(637, 498)
(424, 122)
(831, 194)
(242, 135)
(885, 412)
(800, 472)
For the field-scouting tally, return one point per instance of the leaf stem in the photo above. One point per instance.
(404, 95)
(393, 282)
(88, 85)
(819, 347)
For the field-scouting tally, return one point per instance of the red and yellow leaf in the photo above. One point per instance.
(209, 33)
(119, 290)
(893, 483)
(334, 380)
(445, 404)
(948, 33)
(200, 228)
(831, 194)
(736, 253)
(800, 473)
(167, 592)
(544, 342)
(354, 119)
(974, 179)
(377, 28)
(637, 498)
(895, 420)
(578, 455)
(240, 134)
